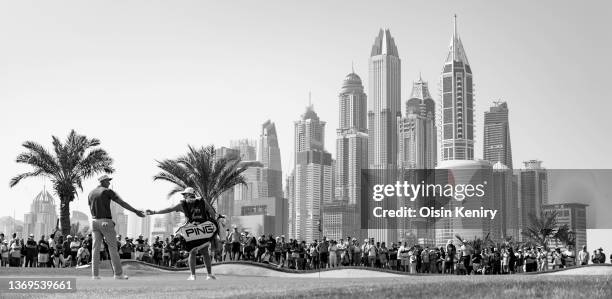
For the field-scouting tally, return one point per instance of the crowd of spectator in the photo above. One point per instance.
(400, 256)
(57, 251)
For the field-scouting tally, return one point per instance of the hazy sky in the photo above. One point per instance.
(150, 77)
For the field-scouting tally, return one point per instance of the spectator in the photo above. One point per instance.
(333, 254)
(356, 258)
(602, 256)
(146, 251)
(425, 260)
(59, 252)
(495, 261)
(43, 252)
(451, 250)
(51, 242)
(441, 259)
(15, 252)
(583, 256)
(126, 249)
(88, 242)
(82, 255)
(139, 247)
(31, 252)
(75, 244)
(383, 255)
(166, 253)
(404, 255)
(67, 250)
(595, 257)
(157, 251)
(4, 253)
(175, 255)
(557, 259)
(323, 249)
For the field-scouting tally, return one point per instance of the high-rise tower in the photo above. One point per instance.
(533, 191)
(384, 101)
(341, 217)
(417, 143)
(496, 141)
(457, 103)
(352, 139)
(313, 177)
(269, 152)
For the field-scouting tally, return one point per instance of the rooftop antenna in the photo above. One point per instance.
(352, 67)
(309, 99)
(455, 25)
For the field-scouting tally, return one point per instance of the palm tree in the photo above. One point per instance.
(76, 159)
(477, 244)
(203, 171)
(541, 230)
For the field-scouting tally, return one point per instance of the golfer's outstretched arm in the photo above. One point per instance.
(177, 208)
(126, 205)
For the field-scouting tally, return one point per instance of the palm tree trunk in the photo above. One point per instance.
(65, 216)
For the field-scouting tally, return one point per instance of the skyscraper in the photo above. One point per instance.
(225, 202)
(341, 217)
(457, 103)
(417, 142)
(42, 218)
(352, 139)
(384, 101)
(504, 200)
(313, 176)
(290, 196)
(246, 148)
(534, 190)
(269, 152)
(497, 135)
(269, 155)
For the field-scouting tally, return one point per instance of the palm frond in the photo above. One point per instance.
(96, 161)
(15, 180)
(202, 170)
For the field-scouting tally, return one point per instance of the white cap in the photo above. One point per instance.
(189, 190)
(104, 178)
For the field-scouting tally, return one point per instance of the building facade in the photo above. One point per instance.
(313, 177)
(574, 216)
(533, 186)
(42, 218)
(351, 159)
(496, 143)
(246, 149)
(466, 172)
(457, 104)
(225, 202)
(417, 141)
(384, 101)
(505, 202)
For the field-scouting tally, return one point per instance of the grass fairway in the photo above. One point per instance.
(151, 284)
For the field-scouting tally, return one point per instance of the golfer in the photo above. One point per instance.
(198, 212)
(102, 225)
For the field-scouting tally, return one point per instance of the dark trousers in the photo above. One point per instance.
(29, 261)
(14, 262)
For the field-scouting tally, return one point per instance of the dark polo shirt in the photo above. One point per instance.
(99, 202)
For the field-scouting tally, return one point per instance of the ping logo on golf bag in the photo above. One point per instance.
(193, 232)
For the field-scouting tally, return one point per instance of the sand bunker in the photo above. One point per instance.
(251, 269)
